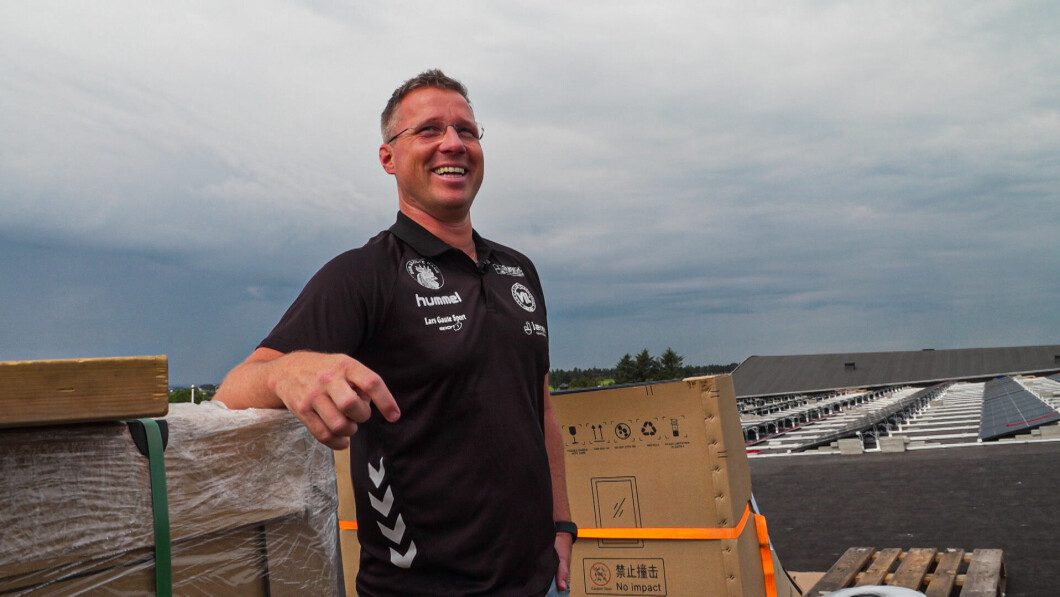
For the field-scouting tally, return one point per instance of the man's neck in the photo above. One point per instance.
(455, 233)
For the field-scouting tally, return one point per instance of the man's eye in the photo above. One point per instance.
(466, 132)
(429, 131)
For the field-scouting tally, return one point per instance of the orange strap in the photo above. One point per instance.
(679, 533)
(641, 532)
(768, 573)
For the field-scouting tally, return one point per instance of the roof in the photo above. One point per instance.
(774, 375)
(987, 496)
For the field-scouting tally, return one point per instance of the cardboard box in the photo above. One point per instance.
(82, 390)
(663, 455)
(656, 455)
(251, 505)
(349, 546)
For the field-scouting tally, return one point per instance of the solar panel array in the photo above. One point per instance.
(1009, 408)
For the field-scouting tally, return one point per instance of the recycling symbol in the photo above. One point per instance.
(648, 429)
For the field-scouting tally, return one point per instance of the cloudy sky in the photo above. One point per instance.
(727, 179)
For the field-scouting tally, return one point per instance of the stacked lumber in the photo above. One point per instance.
(82, 390)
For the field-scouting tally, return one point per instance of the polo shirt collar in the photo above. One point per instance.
(429, 245)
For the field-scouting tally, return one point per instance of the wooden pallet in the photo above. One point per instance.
(948, 573)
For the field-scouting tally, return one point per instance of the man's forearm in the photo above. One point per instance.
(554, 447)
(246, 385)
(330, 393)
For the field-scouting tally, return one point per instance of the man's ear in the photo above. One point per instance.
(386, 158)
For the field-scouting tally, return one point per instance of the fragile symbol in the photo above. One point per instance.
(622, 431)
(648, 428)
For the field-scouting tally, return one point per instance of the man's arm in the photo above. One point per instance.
(560, 505)
(329, 393)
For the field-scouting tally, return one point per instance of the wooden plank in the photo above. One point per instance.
(986, 574)
(82, 390)
(879, 568)
(915, 565)
(940, 584)
(842, 573)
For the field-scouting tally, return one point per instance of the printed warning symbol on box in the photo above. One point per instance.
(616, 505)
(628, 577)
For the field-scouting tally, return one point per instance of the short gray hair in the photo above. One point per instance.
(429, 78)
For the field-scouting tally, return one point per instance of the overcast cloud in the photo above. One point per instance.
(724, 178)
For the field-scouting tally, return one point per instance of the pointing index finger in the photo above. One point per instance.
(370, 385)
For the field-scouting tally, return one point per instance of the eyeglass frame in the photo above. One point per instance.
(481, 131)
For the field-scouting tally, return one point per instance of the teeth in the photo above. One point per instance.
(449, 170)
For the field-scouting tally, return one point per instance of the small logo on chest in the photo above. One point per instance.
(524, 298)
(425, 273)
(508, 270)
(531, 328)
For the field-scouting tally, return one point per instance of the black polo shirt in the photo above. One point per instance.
(454, 498)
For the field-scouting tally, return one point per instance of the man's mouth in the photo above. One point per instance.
(454, 171)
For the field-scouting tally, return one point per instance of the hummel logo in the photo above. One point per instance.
(382, 506)
(403, 561)
(376, 474)
(395, 534)
(445, 299)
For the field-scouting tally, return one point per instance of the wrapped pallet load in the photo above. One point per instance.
(210, 501)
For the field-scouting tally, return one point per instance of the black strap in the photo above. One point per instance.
(566, 526)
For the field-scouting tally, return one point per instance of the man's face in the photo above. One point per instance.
(439, 176)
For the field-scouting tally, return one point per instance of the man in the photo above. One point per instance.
(426, 352)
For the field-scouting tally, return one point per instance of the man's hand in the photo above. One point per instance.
(563, 549)
(330, 393)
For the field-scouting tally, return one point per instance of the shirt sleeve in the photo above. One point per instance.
(337, 311)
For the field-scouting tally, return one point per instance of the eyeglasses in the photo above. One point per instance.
(434, 131)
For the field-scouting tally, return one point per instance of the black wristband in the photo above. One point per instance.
(566, 526)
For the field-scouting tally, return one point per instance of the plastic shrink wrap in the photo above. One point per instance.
(251, 508)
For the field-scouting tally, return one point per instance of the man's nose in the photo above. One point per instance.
(451, 141)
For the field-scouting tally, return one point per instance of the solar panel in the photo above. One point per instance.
(1009, 408)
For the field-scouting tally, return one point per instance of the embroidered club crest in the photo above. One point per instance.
(425, 273)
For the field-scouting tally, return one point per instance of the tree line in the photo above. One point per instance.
(634, 369)
(202, 393)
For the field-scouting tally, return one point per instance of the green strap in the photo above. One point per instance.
(160, 506)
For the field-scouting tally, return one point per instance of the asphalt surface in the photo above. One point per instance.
(1005, 497)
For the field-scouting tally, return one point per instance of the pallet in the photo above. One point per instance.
(949, 573)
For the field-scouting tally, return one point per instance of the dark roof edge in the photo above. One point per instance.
(878, 352)
(900, 383)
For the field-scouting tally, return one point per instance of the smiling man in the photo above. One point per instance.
(426, 352)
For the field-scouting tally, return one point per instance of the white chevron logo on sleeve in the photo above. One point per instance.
(382, 506)
(394, 534)
(403, 561)
(377, 474)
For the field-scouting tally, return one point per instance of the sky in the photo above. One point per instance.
(724, 178)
